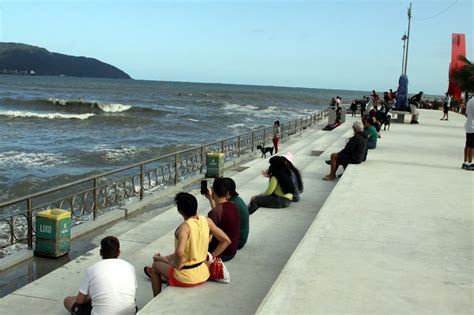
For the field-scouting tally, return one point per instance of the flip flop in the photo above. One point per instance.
(147, 271)
(327, 177)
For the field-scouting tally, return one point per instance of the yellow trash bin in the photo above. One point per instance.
(53, 233)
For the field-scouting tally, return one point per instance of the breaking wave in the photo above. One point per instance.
(21, 114)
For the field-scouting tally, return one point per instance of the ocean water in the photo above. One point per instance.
(57, 129)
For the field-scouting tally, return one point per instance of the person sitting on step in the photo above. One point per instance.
(353, 152)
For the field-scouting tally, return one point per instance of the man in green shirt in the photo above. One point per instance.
(234, 197)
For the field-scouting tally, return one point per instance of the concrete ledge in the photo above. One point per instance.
(18, 257)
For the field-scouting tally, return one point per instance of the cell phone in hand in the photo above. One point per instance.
(204, 187)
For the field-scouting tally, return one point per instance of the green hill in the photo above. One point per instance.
(22, 57)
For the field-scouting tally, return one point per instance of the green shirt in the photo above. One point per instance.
(244, 220)
(372, 133)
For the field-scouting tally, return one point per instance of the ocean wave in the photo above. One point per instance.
(239, 107)
(15, 113)
(18, 159)
(106, 107)
(236, 126)
(191, 119)
(114, 108)
(116, 154)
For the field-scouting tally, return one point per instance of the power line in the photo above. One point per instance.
(437, 14)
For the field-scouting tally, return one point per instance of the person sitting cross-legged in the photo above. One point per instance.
(108, 287)
(186, 267)
(353, 152)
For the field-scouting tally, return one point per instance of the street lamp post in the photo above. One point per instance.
(408, 40)
(404, 39)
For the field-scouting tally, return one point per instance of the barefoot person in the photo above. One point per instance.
(353, 152)
(186, 267)
(108, 287)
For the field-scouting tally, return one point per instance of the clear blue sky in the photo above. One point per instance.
(347, 44)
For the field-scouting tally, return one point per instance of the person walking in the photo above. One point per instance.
(446, 105)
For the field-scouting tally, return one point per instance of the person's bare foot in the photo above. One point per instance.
(329, 177)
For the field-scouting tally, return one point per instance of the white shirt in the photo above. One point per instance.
(111, 284)
(470, 116)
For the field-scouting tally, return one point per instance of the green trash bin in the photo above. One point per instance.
(215, 165)
(53, 233)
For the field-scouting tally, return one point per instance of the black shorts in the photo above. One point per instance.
(470, 140)
(445, 109)
(343, 159)
(81, 309)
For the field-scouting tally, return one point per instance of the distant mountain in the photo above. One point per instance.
(27, 59)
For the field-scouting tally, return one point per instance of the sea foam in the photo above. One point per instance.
(239, 107)
(13, 113)
(11, 159)
(114, 108)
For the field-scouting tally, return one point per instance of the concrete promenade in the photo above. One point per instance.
(394, 235)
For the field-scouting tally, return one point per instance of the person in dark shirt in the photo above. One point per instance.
(353, 152)
(244, 212)
(225, 215)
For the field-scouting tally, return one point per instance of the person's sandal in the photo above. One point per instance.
(147, 271)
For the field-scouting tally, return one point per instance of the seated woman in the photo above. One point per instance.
(336, 124)
(186, 267)
(295, 176)
(279, 192)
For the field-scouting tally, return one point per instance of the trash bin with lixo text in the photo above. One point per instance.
(215, 165)
(53, 233)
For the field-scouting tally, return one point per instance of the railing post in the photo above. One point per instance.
(264, 136)
(29, 221)
(253, 141)
(94, 209)
(222, 147)
(238, 146)
(202, 159)
(142, 186)
(175, 169)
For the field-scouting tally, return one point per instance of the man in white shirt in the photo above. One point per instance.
(468, 126)
(108, 287)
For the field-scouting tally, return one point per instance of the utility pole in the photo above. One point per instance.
(408, 40)
(404, 39)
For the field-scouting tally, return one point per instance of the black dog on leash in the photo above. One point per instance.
(265, 150)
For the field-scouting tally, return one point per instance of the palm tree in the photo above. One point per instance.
(464, 77)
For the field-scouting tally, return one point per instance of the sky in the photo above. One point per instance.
(347, 44)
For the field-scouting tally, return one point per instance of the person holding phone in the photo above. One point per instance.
(225, 215)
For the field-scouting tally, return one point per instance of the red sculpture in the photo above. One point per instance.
(458, 48)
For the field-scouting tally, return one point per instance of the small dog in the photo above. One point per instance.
(265, 150)
(386, 123)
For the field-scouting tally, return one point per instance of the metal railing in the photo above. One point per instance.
(88, 198)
